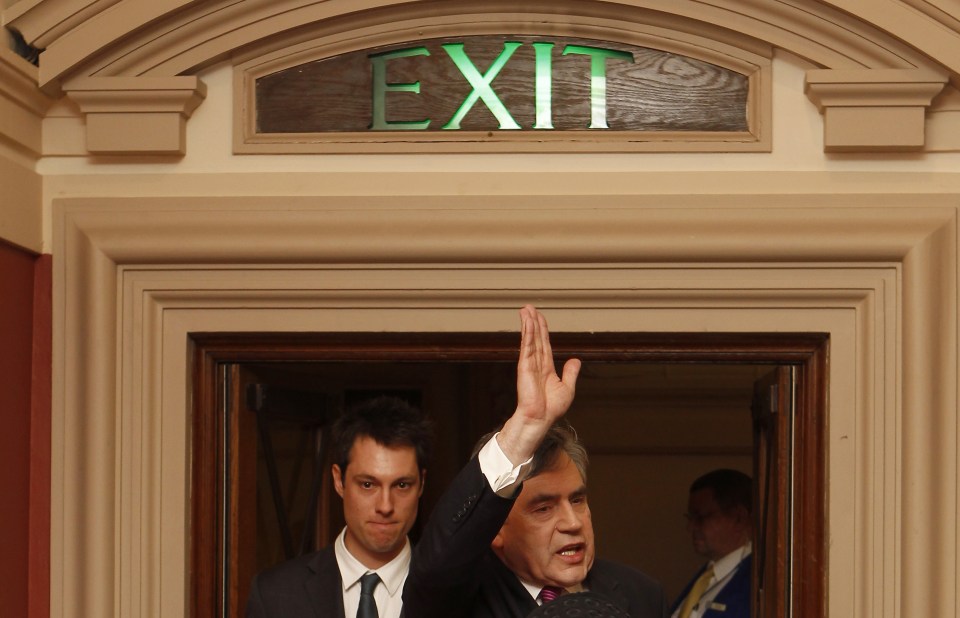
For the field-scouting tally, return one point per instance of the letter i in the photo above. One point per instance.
(543, 85)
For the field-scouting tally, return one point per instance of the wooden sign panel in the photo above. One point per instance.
(534, 84)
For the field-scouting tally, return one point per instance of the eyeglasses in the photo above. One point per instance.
(697, 519)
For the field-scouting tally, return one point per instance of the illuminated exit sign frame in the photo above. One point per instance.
(502, 93)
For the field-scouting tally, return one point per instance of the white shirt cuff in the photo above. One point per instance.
(502, 475)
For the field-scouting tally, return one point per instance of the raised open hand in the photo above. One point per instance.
(542, 395)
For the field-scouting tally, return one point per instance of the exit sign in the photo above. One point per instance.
(527, 85)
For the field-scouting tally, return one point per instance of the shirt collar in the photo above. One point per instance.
(726, 565)
(392, 574)
(534, 589)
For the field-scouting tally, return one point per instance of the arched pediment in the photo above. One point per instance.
(133, 37)
(115, 57)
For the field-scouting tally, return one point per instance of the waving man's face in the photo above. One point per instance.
(548, 536)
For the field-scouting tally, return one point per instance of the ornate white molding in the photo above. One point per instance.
(135, 277)
(871, 110)
(22, 102)
(135, 37)
(42, 22)
(136, 115)
(130, 38)
(22, 106)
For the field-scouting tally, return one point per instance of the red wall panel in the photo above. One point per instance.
(24, 394)
(17, 273)
(41, 388)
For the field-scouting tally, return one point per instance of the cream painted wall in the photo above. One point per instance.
(210, 167)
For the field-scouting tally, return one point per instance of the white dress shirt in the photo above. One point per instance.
(502, 475)
(723, 570)
(387, 593)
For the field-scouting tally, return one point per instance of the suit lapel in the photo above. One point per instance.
(324, 587)
(599, 581)
(736, 592)
(505, 595)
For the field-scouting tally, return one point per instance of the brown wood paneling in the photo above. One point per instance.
(241, 463)
(206, 522)
(773, 411)
(659, 91)
(810, 482)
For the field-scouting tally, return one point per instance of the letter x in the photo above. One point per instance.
(481, 85)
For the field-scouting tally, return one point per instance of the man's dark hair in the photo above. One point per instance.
(560, 438)
(731, 488)
(390, 421)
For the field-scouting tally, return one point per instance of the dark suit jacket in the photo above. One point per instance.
(455, 574)
(305, 587)
(735, 595)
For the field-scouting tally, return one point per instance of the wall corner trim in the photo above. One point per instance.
(22, 103)
(873, 109)
(137, 115)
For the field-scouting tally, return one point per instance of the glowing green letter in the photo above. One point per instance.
(378, 63)
(481, 85)
(543, 88)
(598, 79)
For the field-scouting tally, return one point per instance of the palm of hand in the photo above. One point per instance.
(542, 395)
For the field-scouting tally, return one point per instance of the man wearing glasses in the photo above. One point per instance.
(720, 526)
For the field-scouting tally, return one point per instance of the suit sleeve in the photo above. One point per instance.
(443, 580)
(255, 607)
(305, 586)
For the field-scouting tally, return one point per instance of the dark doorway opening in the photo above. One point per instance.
(638, 393)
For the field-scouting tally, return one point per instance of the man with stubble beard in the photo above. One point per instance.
(513, 531)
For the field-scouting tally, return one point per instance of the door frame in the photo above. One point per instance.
(807, 352)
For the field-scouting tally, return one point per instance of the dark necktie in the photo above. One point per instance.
(368, 606)
(549, 593)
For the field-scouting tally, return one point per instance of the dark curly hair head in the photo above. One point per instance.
(390, 421)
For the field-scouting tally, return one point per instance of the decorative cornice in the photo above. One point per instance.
(886, 87)
(929, 26)
(475, 232)
(870, 110)
(19, 79)
(42, 22)
(137, 94)
(143, 115)
(136, 39)
(22, 101)
(171, 37)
